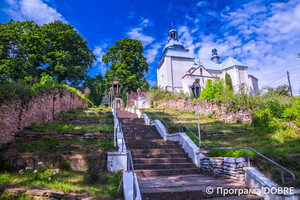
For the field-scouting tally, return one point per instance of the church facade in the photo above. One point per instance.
(178, 69)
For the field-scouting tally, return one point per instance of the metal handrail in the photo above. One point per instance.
(129, 160)
(246, 148)
(130, 166)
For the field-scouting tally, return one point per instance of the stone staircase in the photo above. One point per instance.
(163, 169)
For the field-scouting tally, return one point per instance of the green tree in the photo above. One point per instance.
(21, 50)
(213, 89)
(27, 49)
(228, 81)
(67, 55)
(127, 64)
(282, 90)
(97, 87)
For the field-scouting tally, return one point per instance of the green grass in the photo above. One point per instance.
(104, 188)
(173, 116)
(282, 146)
(71, 127)
(87, 112)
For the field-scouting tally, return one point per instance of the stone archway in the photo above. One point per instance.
(119, 104)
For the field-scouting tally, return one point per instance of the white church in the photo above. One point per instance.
(177, 69)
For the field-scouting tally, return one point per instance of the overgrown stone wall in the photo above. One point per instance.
(224, 166)
(224, 111)
(43, 108)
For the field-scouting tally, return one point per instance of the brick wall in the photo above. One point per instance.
(43, 108)
(220, 112)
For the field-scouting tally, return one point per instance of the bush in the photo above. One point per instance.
(46, 84)
(16, 90)
(230, 153)
(262, 118)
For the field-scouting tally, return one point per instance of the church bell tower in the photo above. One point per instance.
(215, 58)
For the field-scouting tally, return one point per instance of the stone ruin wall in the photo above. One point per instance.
(43, 108)
(219, 112)
(228, 167)
(133, 96)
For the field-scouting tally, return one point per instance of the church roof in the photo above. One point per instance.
(229, 62)
(173, 44)
(208, 64)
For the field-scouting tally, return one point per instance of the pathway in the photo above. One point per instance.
(163, 169)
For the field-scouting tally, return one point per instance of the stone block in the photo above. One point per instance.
(229, 160)
(240, 159)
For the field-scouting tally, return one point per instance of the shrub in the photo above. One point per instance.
(46, 83)
(262, 118)
(210, 115)
(16, 90)
(230, 153)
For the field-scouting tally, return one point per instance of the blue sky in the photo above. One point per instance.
(264, 35)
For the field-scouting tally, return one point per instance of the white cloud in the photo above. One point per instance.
(136, 33)
(202, 3)
(152, 52)
(35, 10)
(99, 51)
(266, 39)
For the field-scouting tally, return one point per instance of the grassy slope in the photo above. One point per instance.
(284, 152)
(104, 187)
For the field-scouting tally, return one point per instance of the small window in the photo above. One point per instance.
(201, 71)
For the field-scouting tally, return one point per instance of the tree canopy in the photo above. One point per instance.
(228, 81)
(97, 87)
(127, 64)
(27, 49)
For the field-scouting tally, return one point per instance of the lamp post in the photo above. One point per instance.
(109, 98)
(196, 90)
(115, 88)
(127, 99)
(138, 93)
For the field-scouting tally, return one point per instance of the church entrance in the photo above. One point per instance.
(119, 104)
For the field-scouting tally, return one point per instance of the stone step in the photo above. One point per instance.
(154, 147)
(83, 120)
(161, 160)
(151, 143)
(159, 155)
(166, 172)
(142, 137)
(157, 151)
(37, 135)
(163, 165)
(189, 186)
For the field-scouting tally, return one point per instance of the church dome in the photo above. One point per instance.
(173, 42)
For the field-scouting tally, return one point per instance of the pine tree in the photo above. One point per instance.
(228, 81)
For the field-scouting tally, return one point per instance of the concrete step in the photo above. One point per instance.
(189, 186)
(163, 165)
(160, 160)
(142, 137)
(151, 143)
(157, 151)
(154, 147)
(159, 155)
(165, 172)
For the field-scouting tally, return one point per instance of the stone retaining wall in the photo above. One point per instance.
(221, 112)
(43, 108)
(224, 166)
